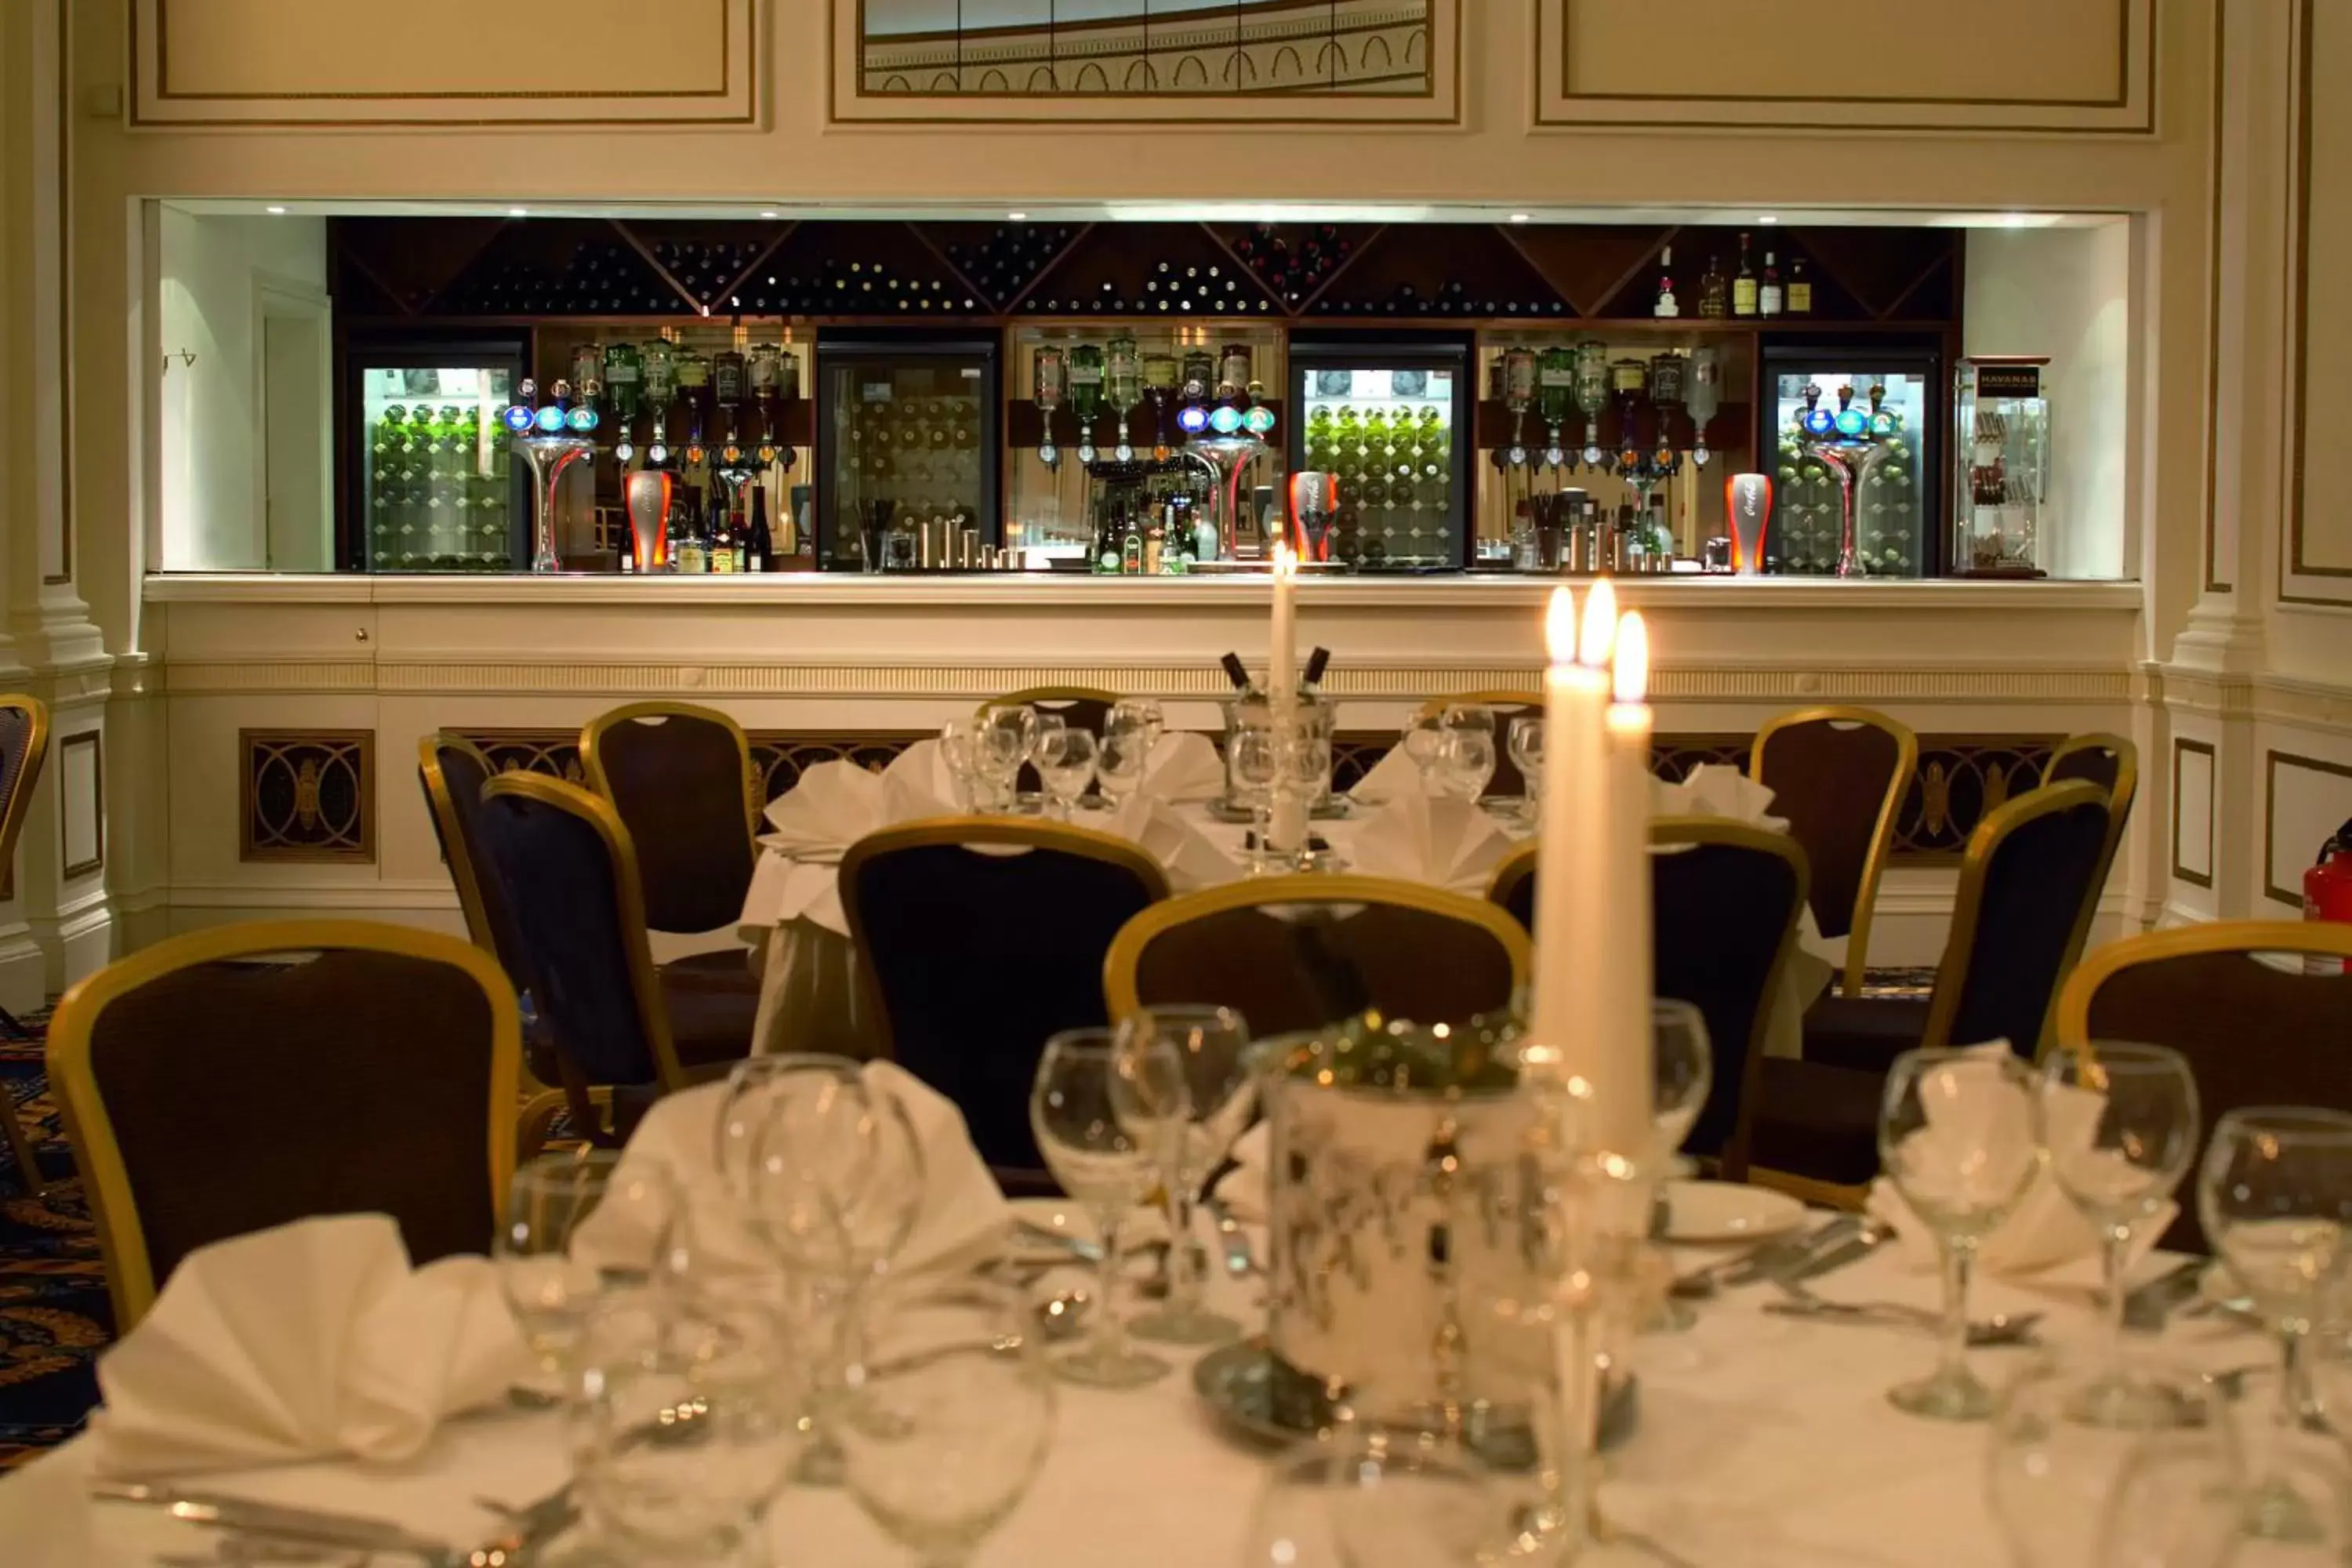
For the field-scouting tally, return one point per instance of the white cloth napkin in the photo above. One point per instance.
(1713, 789)
(833, 806)
(1243, 1188)
(1449, 843)
(2045, 1236)
(1170, 837)
(1183, 765)
(1393, 777)
(306, 1341)
(961, 1219)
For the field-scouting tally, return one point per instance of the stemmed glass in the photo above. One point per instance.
(962, 749)
(1372, 1494)
(997, 753)
(1120, 759)
(1016, 724)
(1256, 751)
(1140, 712)
(550, 1281)
(1525, 742)
(2275, 1197)
(1681, 1065)
(953, 1419)
(1423, 735)
(1959, 1134)
(1108, 1163)
(2121, 1125)
(1306, 748)
(1465, 764)
(1210, 1047)
(1065, 764)
(683, 1423)
(2158, 1487)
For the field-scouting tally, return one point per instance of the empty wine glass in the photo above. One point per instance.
(1108, 1163)
(683, 1424)
(2156, 1487)
(1524, 743)
(1465, 764)
(2275, 1197)
(1421, 736)
(1066, 763)
(1306, 747)
(1959, 1134)
(1682, 1064)
(1211, 1048)
(997, 757)
(1015, 726)
(1256, 751)
(1120, 759)
(1140, 712)
(1048, 725)
(2121, 1124)
(550, 1279)
(960, 751)
(953, 1419)
(1372, 1494)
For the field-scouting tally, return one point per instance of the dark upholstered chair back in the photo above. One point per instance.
(1725, 901)
(982, 936)
(1839, 775)
(1508, 706)
(1298, 952)
(2028, 875)
(2112, 762)
(452, 771)
(568, 872)
(681, 778)
(248, 1075)
(2256, 1030)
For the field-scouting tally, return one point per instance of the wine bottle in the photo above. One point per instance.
(1236, 671)
(1315, 661)
(1768, 292)
(759, 544)
(1743, 283)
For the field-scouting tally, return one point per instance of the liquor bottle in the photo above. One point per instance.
(1769, 298)
(1667, 305)
(759, 544)
(1800, 287)
(688, 555)
(1713, 290)
(622, 376)
(727, 378)
(1130, 548)
(1107, 544)
(719, 537)
(1743, 284)
(1155, 545)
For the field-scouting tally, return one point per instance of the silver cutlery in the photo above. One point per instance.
(1774, 1257)
(312, 1527)
(1084, 1251)
(1864, 1241)
(2000, 1329)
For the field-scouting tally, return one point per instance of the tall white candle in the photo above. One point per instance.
(1282, 661)
(1571, 922)
(1621, 1112)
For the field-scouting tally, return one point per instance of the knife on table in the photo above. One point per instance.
(350, 1533)
(1775, 1257)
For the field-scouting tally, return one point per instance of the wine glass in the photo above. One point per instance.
(1370, 1494)
(1210, 1046)
(999, 751)
(552, 1282)
(1049, 726)
(953, 1420)
(1255, 751)
(1019, 722)
(1420, 739)
(961, 749)
(1959, 1134)
(1524, 743)
(1066, 763)
(1460, 716)
(1682, 1066)
(2275, 1197)
(1306, 748)
(1120, 758)
(1108, 1163)
(2121, 1124)
(1465, 762)
(683, 1424)
(2156, 1487)
(1142, 713)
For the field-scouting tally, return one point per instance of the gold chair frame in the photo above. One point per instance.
(628, 898)
(1015, 832)
(122, 1240)
(13, 811)
(1125, 955)
(2321, 939)
(592, 762)
(540, 1100)
(1882, 839)
(2119, 803)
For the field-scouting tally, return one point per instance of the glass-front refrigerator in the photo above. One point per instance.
(1857, 481)
(429, 484)
(1391, 414)
(906, 447)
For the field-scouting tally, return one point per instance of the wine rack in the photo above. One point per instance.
(1001, 261)
(1175, 270)
(1444, 270)
(1297, 261)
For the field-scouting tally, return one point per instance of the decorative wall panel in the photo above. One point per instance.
(81, 805)
(444, 62)
(2305, 799)
(306, 796)
(1269, 61)
(2050, 66)
(2192, 813)
(2315, 566)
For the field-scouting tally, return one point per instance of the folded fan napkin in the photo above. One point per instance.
(2045, 1234)
(961, 1218)
(833, 806)
(1449, 843)
(1714, 790)
(1169, 837)
(1184, 766)
(306, 1341)
(1394, 777)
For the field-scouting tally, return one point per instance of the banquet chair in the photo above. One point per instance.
(1299, 953)
(567, 868)
(248, 1075)
(2028, 872)
(682, 778)
(2234, 997)
(1839, 776)
(1507, 705)
(978, 938)
(1725, 901)
(2112, 762)
(24, 747)
(452, 769)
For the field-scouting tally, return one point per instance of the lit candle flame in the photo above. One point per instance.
(1599, 626)
(1633, 658)
(1559, 626)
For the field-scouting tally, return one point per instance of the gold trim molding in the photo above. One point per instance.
(2271, 761)
(2182, 747)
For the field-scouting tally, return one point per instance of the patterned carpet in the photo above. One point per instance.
(54, 1314)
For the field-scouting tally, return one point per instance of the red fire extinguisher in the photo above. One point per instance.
(2327, 892)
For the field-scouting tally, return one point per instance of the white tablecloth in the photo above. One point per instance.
(1763, 1442)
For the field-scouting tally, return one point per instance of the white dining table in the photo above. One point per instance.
(1762, 1441)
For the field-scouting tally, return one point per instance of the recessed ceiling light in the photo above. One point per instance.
(1522, 217)
(1767, 218)
(1018, 218)
(275, 212)
(517, 211)
(769, 212)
